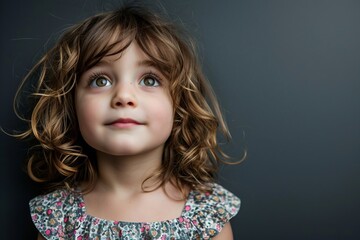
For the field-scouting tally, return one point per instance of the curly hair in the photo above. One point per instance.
(61, 157)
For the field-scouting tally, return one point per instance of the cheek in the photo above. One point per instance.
(163, 114)
(87, 113)
(84, 119)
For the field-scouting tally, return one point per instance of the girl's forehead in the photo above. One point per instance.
(131, 52)
(157, 50)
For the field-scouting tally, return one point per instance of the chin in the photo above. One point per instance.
(121, 152)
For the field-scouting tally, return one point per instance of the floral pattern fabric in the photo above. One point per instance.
(62, 215)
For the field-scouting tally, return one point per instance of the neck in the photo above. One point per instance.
(127, 173)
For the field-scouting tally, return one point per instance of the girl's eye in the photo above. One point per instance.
(100, 82)
(149, 81)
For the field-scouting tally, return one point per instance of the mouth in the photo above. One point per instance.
(124, 123)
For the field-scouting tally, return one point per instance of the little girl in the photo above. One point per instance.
(125, 125)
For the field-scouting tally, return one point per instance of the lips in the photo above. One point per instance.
(124, 122)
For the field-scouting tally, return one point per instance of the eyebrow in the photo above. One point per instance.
(147, 63)
(141, 63)
(152, 64)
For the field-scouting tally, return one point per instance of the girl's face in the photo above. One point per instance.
(123, 105)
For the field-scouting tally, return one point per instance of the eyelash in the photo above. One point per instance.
(97, 75)
(153, 75)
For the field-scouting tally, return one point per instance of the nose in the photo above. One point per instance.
(124, 96)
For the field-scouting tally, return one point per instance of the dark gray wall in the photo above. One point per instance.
(287, 74)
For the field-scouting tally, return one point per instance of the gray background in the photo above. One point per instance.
(288, 78)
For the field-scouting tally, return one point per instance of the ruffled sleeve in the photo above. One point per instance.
(213, 210)
(54, 214)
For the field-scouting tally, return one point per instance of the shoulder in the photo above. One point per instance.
(52, 212)
(219, 198)
(222, 197)
(212, 210)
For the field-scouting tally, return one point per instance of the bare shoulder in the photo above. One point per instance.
(40, 237)
(226, 233)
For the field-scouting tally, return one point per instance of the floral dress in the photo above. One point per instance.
(62, 215)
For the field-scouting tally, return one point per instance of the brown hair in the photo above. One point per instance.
(61, 157)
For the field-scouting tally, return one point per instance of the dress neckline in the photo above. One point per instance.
(85, 214)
